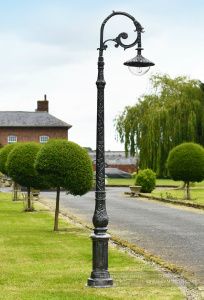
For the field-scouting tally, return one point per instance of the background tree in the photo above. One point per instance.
(20, 166)
(171, 114)
(67, 165)
(186, 162)
(4, 152)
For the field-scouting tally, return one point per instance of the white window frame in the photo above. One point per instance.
(12, 139)
(43, 139)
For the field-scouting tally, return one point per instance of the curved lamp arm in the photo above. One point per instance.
(122, 35)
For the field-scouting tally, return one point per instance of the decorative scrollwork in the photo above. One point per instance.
(119, 42)
(122, 35)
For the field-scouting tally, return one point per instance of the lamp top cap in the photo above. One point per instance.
(139, 61)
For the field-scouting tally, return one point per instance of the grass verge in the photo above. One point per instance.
(131, 181)
(197, 195)
(38, 264)
(197, 190)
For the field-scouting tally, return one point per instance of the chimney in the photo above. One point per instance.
(42, 105)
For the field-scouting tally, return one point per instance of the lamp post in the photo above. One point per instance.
(100, 276)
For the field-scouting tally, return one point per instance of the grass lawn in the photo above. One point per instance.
(167, 182)
(121, 181)
(197, 194)
(197, 190)
(131, 181)
(38, 264)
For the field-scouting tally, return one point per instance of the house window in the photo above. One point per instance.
(44, 139)
(12, 139)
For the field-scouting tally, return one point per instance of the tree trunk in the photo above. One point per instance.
(15, 191)
(187, 196)
(29, 208)
(57, 209)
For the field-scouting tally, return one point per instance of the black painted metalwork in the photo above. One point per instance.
(139, 62)
(100, 276)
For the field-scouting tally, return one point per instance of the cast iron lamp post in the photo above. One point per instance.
(100, 276)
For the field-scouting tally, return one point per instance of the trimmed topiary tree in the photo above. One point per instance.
(147, 180)
(4, 152)
(186, 162)
(20, 166)
(67, 166)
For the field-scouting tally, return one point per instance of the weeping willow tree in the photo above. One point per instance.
(171, 114)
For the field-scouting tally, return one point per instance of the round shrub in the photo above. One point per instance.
(67, 164)
(186, 162)
(147, 180)
(4, 152)
(79, 177)
(20, 165)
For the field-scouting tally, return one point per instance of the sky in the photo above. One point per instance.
(50, 47)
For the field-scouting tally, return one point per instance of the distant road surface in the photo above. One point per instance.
(176, 234)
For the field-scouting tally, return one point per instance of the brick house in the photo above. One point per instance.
(37, 126)
(117, 159)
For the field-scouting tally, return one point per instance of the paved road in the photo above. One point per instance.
(176, 234)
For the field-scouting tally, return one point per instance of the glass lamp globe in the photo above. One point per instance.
(139, 65)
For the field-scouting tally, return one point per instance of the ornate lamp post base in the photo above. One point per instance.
(100, 276)
(100, 283)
